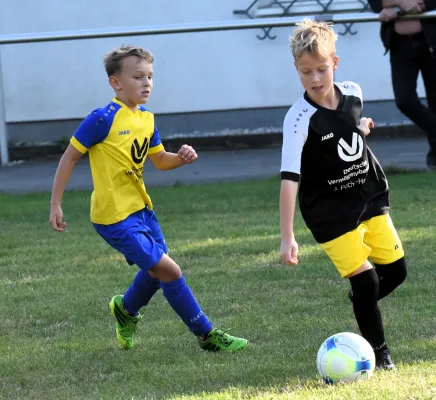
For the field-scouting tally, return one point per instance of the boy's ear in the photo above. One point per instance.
(114, 82)
(335, 62)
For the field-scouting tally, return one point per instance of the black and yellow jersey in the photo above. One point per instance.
(341, 181)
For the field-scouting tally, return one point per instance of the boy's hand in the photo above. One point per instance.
(289, 252)
(367, 125)
(187, 154)
(56, 216)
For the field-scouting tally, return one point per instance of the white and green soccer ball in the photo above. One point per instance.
(345, 357)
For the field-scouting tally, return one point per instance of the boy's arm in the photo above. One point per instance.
(295, 131)
(165, 161)
(288, 245)
(65, 167)
(93, 129)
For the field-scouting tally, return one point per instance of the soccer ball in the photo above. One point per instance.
(345, 357)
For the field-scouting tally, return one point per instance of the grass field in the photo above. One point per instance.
(57, 337)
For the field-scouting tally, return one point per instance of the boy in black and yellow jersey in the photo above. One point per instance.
(343, 192)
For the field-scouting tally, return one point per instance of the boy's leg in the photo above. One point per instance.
(140, 292)
(181, 299)
(173, 284)
(365, 286)
(179, 296)
(144, 286)
(349, 253)
(140, 248)
(124, 238)
(387, 254)
(391, 276)
(183, 302)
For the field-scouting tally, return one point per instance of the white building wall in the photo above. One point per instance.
(193, 72)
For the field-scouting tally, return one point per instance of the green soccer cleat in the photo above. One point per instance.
(126, 324)
(221, 341)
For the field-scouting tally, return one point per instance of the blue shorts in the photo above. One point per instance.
(138, 237)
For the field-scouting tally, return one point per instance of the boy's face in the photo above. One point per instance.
(316, 74)
(134, 83)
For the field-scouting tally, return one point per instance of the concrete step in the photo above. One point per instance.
(235, 139)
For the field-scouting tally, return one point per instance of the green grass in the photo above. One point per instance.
(57, 337)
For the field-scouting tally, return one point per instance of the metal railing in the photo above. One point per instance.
(163, 30)
(286, 8)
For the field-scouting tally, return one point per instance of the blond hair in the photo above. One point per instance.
(317, 38)
(113, 61)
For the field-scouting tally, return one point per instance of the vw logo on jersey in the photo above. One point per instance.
(139, 152)
(351, 153)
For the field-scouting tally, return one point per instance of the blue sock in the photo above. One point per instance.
(185, 305)
(140, 292)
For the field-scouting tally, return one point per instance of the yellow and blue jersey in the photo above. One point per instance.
(118, 141)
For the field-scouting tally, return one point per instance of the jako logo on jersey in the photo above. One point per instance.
(124, 132)
(325, 137)
(139, 152)
(354, 151)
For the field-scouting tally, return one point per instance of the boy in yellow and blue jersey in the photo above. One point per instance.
(118, 139)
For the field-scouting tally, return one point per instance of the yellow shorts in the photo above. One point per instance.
(375, 238)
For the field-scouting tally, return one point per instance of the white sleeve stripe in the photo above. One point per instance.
(349, 88)
(295, 131)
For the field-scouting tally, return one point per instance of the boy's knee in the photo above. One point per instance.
(166, 271)
(401, 269)
(395, 272)
(176, 274)
(365, 287)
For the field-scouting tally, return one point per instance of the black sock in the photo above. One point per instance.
(380, 349)
(391, 276)
(365, 294)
